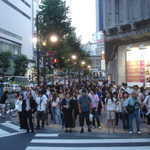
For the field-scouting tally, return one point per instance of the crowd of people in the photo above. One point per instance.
(74, 104)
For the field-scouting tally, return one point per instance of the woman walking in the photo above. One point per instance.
(110, 109)
(68, 113)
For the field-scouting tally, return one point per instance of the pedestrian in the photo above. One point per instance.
(67, 113)
(147, 106)
(3, 99)
(41, 101)
(28, 107)
(125, 115)
(94, 103)
(110, 111)
(18, 108)
(84, 110)
(55, 107)
(133, 108)
(118, 109)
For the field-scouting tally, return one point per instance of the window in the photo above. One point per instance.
(16, 8)
(12, 47)
(117, 11)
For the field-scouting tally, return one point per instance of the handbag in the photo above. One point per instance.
(90, 117)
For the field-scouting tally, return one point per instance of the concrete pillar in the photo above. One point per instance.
(121, 64)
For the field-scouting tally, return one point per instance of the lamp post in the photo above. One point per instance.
(37, 40)
(38, 49)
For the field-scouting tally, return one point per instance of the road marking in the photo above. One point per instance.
(4, 133)
(8, 124)
(47, 135)
(86, 141)
(11, 126)
(89, 148)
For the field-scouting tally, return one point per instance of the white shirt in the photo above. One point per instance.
(48, 93)
(56, 103)
(110, 105)
(18, 105)
(95, 100)
(118, 106)
(41, 103)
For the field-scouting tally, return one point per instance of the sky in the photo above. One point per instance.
(83, 14)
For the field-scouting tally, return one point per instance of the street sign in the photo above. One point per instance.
(51, 53)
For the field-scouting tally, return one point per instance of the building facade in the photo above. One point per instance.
(127, 40)
(99, 15)
(16, 26)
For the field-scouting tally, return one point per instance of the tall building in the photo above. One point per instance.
(16, 26)
(99, 15)
(99, 35)
(127, 35)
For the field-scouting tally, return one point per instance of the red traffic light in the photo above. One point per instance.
(55, 60)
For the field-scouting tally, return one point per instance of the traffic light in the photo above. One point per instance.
(54, 61)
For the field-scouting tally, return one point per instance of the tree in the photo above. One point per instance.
(5, 62)
(54, 19)
(21, 64)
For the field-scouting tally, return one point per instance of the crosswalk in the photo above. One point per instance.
(52, 141)
(9, 129)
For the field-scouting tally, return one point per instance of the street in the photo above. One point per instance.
(56, 139)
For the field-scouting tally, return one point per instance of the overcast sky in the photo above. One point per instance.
(83, 14)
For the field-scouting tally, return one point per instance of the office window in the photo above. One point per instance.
(117, 11)
(14, 48)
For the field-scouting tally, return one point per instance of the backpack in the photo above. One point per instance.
(131, 109)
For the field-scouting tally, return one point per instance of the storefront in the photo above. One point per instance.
(137, 65)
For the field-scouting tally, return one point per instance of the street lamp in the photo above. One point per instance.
(44, 43)
(73, 57)
(34, 40)
(83, 62)
(89, 67)
(54, 38)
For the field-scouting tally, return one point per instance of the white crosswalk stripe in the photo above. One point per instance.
(5, 133)
(90, 148)
(86, 141)
(46, 135)
(45, 141)
(10, 125)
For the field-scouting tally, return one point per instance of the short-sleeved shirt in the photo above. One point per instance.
(84, 102)
(41, 103)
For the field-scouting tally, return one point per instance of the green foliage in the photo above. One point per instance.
(54, 19)
(21, 64)
(5, 62)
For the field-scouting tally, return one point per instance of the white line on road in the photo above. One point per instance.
(47, 135)
(12, 126)
(6, 134)
(3, 133)
(89, 148)
(86, 141)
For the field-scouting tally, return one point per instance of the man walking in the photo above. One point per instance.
(41, 101)
(84, 110)
(133, 108)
